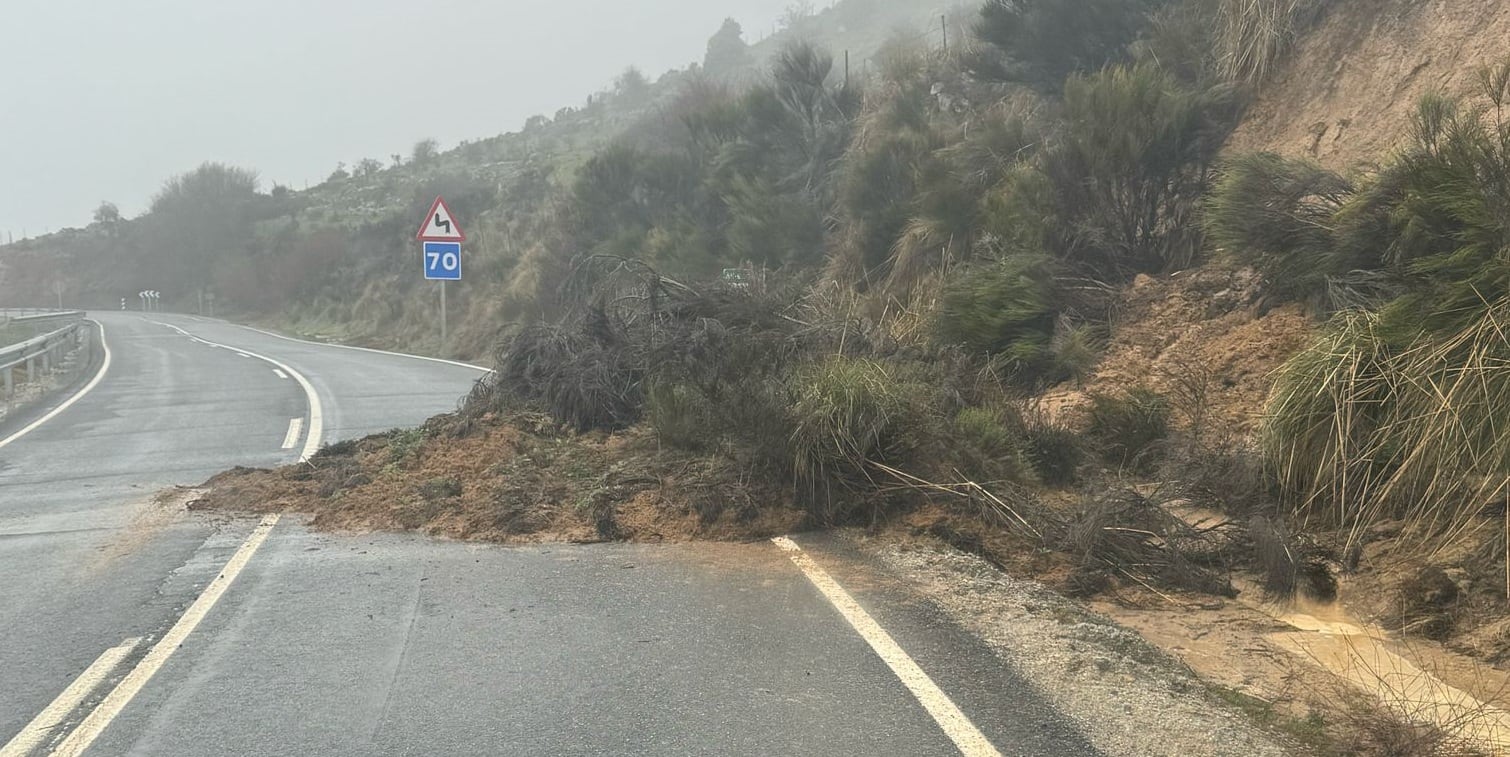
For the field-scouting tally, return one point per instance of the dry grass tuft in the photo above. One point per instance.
(1253, 35)
(1359, 431)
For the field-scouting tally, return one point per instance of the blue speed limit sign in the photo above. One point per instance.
(443, 261)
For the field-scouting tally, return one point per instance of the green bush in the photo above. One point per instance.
(846, 413)
(1425, 235)
(1277, 214)
(1131, 166)
(1445, 201)
(990, 442)
(403, 443)
(1075, 350)
(1003, 309)
(1054, 451)
(1127, 429)
(1040, 42)
(1116, 190)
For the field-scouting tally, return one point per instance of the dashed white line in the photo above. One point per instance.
(316, 415)
(295, 425)
(100, 718)
(280, 373)
(41, 728)
(966, 737)
(98, 377)
(243, 354)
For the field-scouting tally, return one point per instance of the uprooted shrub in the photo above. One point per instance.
(1122, 535)
(636, 332)
(680, 415)
(580, 373)
(1290, 563)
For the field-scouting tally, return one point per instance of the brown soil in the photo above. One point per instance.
(1346, 94)
(518, 481)
(1201, 337)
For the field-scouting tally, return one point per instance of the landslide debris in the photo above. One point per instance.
(513, 479)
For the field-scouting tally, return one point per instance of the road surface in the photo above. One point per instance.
(301, 642)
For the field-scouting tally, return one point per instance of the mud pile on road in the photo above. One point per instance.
(514, 479)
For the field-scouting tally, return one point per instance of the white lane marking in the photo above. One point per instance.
(966, 737)
(316, 415)
(42, 726)
(457, 363)
(243, 354)
(104, 366)
(114, 702)
(280, 373)
(295, 425)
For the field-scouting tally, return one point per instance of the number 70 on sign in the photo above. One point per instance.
(443, 261)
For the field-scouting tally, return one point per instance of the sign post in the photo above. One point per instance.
(440, 243)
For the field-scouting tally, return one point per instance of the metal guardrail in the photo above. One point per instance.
(41, 354)
(34, 315)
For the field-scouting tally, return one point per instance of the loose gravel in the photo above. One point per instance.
(1127, 696)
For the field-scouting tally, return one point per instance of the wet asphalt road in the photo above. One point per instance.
(393, 644)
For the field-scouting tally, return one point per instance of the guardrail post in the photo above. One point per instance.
(10, 384)
(31, 369)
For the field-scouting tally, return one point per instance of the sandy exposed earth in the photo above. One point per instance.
(1347, 94)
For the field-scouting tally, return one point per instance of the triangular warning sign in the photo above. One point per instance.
(440, 225)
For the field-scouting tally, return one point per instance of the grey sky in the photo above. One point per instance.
(104, 99)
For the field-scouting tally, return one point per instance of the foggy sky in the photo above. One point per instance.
(104, 99)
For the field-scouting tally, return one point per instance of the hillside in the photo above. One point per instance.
(335, 260)
(1347, 93)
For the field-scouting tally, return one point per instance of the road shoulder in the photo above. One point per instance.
(1124, 694)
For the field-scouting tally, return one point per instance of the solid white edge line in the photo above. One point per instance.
(457, 363)
(295, 425)
(280, 373)
(98, 377)
(100, 718)
(41, 727)
(966, 737)
(316, 414)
